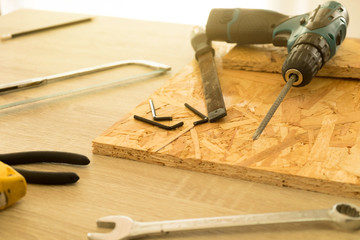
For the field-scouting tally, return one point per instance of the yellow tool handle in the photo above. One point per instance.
(12, 186)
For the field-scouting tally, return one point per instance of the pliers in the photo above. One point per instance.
(46, 178)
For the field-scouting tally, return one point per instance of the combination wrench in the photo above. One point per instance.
(344, 215)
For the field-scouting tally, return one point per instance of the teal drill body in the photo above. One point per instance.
(311, 39)
(329, 20)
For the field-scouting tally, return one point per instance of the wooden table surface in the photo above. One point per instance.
(111, 186)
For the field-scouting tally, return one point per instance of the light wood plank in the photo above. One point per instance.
(304, 146)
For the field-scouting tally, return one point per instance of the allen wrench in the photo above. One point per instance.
(204, 119)
(145, 120)
(156, 118)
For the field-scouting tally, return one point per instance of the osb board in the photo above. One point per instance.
(312, 142)
(267, 58)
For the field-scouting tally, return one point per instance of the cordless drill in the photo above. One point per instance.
(311, 39)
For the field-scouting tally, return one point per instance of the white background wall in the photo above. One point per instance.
(181, 11)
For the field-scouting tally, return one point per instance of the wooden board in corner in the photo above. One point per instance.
(268, 58)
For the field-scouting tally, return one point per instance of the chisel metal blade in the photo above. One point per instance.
(204, 53)
(212, 90)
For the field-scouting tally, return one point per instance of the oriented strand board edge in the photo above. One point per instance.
(268, 58)
(326, 71)
(233, 171)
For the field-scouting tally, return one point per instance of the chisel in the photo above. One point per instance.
(204, 54)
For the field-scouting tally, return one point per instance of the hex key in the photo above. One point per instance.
(145, 120)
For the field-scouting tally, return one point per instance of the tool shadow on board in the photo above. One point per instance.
(312, 39)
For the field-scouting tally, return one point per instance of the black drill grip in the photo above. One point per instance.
(200, 42)
(242, 26)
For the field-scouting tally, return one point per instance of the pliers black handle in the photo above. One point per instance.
(48, 178)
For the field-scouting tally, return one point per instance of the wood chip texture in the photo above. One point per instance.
(311, 143)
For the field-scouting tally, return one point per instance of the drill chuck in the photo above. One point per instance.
(308, 54)
(313, 41)
(304, 61)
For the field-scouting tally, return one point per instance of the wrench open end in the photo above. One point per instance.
(121, 225)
